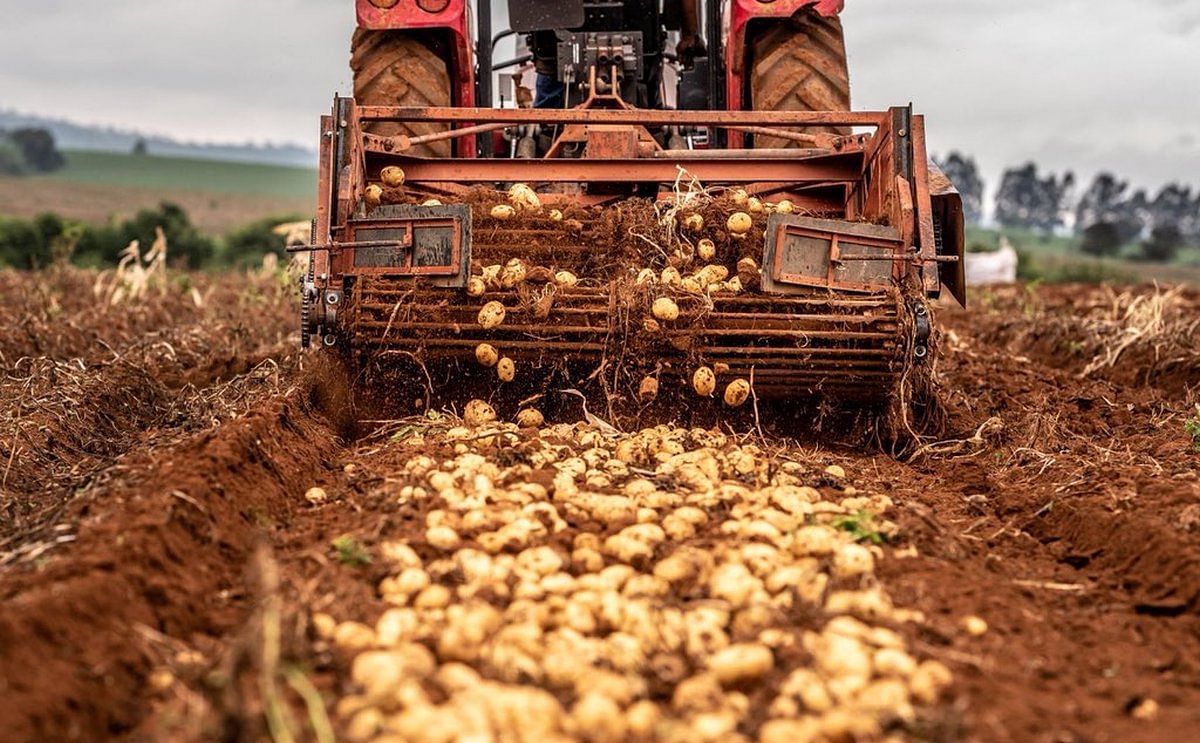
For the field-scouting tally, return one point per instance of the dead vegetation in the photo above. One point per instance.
(179, 510)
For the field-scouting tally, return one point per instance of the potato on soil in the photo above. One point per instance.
(431, 202)
(648, 389)
(476, 287)
(491, 315)
(754, 206)
(693, 222)
(665, 309)
(503, 212)
(506, 369)
(513, 273)
(478, 413)
(706, 249)
(392, 176)
(524, 198)
(556, 215)
(785, 207)
(739, 223)
(530, 418)
(316, 496)
(704, 381)
(373, 195)
(736, 393)
(486, 354)
(566, 279)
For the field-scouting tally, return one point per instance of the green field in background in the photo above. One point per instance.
(177, 173)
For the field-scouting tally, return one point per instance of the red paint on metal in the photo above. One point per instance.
(455, 19)
(738, 15)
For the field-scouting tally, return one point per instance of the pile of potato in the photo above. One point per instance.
(631, 587)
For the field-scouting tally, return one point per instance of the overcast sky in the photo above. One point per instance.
(1082, 84)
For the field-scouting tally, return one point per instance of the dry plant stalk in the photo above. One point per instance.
(135, 275)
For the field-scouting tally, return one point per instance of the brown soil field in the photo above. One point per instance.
(194, 544)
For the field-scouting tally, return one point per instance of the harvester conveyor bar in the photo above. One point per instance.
(630, 117)
(834, 168)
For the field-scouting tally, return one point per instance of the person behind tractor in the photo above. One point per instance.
(551, 92)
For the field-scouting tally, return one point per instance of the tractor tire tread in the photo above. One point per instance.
(395, 68)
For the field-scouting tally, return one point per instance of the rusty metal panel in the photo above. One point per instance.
(802, 253)
(431, 242)
(611, 142)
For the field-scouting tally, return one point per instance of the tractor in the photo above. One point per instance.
(652, 193)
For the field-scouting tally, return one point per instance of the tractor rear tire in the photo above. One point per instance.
(395, 68)
(800, 65)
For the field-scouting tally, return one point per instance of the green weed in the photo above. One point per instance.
(862, 527)
(350, 551)
(1192, 428)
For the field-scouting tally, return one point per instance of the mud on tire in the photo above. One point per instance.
(394, 68)
(800, 65)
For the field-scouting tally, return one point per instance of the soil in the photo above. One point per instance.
(156, 519)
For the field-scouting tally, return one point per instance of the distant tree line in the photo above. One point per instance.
(1106, 217)
(29, 150)
(38, 242)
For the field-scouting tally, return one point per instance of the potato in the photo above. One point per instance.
(739, 223)
(476, 286)
(506, 369)
(704, 381)
(648, 389)
(431, 202)
(693, 285)
(852, 560)
(974, 626)
(530, 418)
(665, 309)
(503, 212)
(566, 279)
(741, 662)
(556, 215)
(443, 538)
(670, 277)
(693, 222)
(487, 355)
(754, 206)
(491, 275)
(646, 276)
(373, 195)
(740, 197)
(477, 414)
(736, 392)
(928, 681)
(706, 249)
(524, 198)
(316, 496)
(785, 207)
(513, 273)
(491, 315)
(392, 176)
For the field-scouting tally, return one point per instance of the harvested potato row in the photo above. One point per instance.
(629, 587)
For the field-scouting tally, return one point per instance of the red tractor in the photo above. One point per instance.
(785, 243)
(779, 55)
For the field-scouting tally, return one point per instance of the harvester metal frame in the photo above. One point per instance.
(844, 180)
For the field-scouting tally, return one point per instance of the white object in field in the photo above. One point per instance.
(998, 267)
